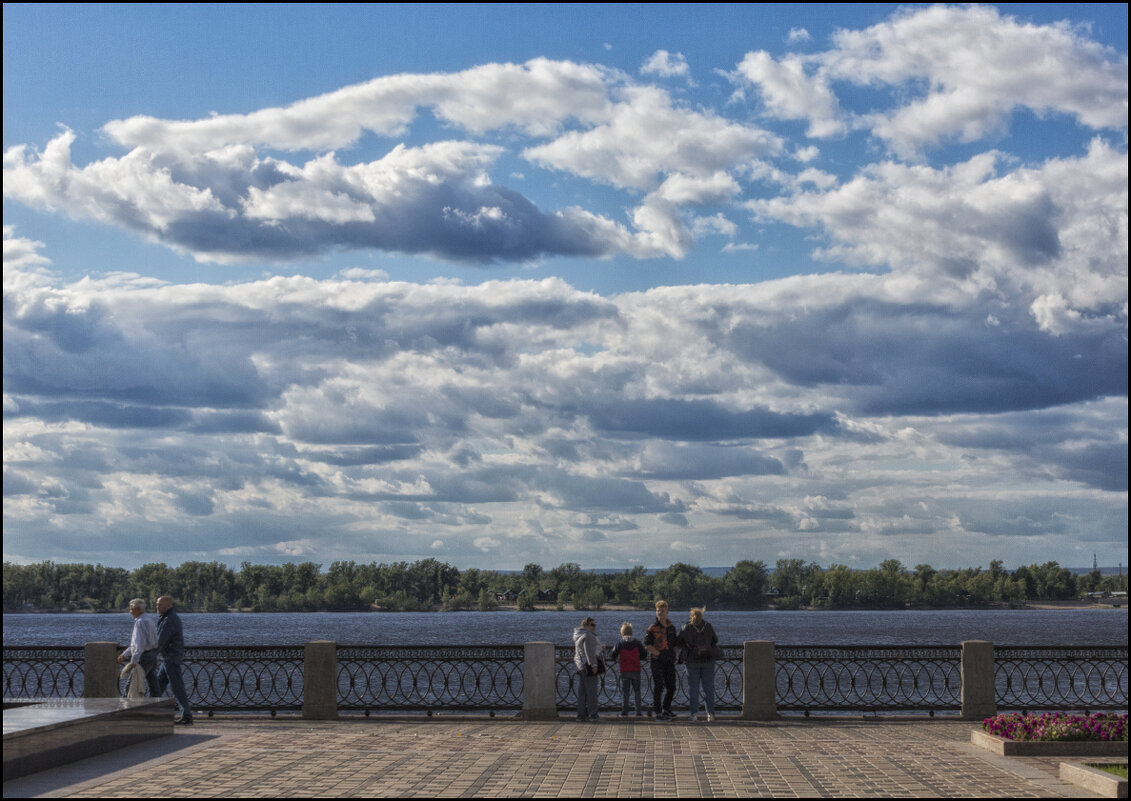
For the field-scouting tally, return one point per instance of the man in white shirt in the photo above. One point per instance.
(143, 645)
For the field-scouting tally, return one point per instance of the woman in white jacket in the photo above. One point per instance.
(587, 652)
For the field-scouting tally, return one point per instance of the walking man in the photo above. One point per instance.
(143, 645)
(171, 645)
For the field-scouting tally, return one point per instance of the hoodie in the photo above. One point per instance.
(586, 648)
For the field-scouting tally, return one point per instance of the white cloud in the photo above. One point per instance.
(979, 66)
(798, 35)
(666, 65)
(1057, 230)
(436, 199)
(791, 93)
(536, 97)
(626, 152)
(22, 253)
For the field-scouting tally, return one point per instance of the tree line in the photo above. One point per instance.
(431, 585)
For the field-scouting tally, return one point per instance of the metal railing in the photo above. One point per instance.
(428, 678)
(44, 671)
(1048, 677)
(244, 678)
(868, 678)
(490, 678)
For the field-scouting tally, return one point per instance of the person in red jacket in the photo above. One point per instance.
(629, 652)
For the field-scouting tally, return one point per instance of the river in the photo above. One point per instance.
(1069, 627)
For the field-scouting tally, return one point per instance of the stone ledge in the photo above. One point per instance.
(1074, 748)
(1099, 782)
(46, 733)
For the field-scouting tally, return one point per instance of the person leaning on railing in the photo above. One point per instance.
(586, 657)
(699, 646)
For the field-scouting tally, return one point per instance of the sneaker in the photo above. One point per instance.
(624, 714)
(183, 721)
(710, 717)
(692, 718)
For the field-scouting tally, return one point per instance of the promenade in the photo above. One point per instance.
(449, 757)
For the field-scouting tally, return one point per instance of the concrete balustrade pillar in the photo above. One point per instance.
(759, 681)
(320, 680)
(100, 670)
(979, 696)
(539, 682)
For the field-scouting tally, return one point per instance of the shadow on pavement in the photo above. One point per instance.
(57, 781)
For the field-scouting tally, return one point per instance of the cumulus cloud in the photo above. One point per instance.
(977, 65)
(625, 152)
(382, 406)
(435, 200)
(666, 65)
(1031, 232)
(790, 92)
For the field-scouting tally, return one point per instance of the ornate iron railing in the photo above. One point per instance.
(728, 683)
(428, 678)
(1050, 677)
(244, 677)
(490, 677)
(43, 671)
(868, 678)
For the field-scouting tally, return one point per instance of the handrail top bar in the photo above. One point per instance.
(886, 646)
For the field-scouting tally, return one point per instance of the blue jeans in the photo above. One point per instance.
(170, 676)
(702, 673)
(627, 684)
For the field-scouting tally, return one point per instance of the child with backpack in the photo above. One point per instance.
(628, 653)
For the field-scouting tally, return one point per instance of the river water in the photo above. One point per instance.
(1068, 627)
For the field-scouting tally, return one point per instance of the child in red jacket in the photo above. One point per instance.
(629, 652)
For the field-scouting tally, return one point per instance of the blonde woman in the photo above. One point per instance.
(700, 646)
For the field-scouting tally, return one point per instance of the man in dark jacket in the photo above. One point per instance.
(660, 643)
(171, 647)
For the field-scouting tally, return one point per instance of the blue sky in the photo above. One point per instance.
(607, 284)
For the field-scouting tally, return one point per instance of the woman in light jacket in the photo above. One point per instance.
(587, 651)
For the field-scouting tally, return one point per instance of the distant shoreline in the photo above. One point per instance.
(1034, 606)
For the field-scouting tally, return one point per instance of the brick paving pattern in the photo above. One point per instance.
(263, 758)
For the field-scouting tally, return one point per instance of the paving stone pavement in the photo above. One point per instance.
(444, 758)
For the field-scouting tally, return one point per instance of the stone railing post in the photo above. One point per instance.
(979, 695)
(539, 682)
(100, 670)
(759, 681)
(320, 680)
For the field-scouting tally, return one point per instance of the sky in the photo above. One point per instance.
(615, 285)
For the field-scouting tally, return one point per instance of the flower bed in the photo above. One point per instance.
(1058, 727)
(1054, 734)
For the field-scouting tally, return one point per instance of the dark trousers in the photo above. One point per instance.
(170, 676)
(148, 662)
(663, 684)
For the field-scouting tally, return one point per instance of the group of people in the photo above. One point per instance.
(148, 641)
(696, 645)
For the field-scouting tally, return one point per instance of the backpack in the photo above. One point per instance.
(630, 659)
(702, 643)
